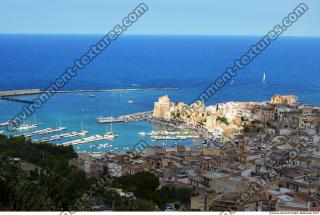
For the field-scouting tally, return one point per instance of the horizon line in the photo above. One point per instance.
(197, 35)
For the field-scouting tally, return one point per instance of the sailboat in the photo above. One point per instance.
(264, 77)
(231, 82)
(110, 134)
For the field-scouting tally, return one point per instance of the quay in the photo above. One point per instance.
(127, 118)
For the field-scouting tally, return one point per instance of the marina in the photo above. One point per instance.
(42, 132)
(91, 139)
(62, 136)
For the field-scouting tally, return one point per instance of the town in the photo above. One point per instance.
(257, 156)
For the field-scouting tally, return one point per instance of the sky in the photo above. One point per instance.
(164, 17)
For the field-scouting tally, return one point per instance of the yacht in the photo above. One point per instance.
(24, 127)
(110, 134)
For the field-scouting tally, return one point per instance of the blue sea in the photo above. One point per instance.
(190, 63)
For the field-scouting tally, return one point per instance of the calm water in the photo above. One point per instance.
(187, 62)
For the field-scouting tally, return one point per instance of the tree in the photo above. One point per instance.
(184, 195)
(145, 184)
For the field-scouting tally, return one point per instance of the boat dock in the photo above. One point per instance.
(90, 139)
(42, 132)
(62, 136)
(127, 118)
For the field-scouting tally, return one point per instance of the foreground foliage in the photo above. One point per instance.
(38, 177)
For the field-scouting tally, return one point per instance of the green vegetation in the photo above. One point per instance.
(36, 177)
(44, 182)
(145, 186)
(223, 120)
(171, 194)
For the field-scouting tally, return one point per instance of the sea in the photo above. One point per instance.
(189, 63)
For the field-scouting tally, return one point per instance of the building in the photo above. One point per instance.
(265, 114)
(162, 108)
(288, 100)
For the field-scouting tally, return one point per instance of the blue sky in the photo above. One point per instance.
(186, 17)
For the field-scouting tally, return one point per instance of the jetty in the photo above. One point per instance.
(90, 139)
(42, 132)
(127, 118)
(62, 136)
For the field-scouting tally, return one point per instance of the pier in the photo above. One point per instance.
(127, 118)
(91, 139)
(62, 136)
(42, 132)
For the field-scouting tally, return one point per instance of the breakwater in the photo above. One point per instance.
(38, 91)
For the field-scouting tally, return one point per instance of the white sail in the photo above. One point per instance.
(264, 77)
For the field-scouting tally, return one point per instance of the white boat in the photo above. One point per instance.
(264, 77)
(24, 127)
(130, 101)
(142, 133)
(110, 134)
(5, 123)
(92, 95)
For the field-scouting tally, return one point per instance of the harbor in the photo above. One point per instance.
(134, 127)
